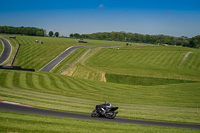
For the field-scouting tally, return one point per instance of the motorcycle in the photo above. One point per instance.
(110, 113)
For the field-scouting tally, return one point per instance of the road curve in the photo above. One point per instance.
(48, 67)
(6, 52)
(31, 110)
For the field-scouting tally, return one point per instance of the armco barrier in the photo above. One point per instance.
(15, 55)
(16, 68)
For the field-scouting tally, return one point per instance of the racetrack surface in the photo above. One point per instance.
(48, 67)
(6, 52)
(31, 110)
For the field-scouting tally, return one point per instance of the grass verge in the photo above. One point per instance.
(23, 123)
(145, 81)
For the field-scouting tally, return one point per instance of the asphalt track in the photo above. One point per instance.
(6, 52)
(48, 67)
(31, 110)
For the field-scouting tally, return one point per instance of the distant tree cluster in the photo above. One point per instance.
(76, 35)
(195, 42)
(135, 37)
(52, 34)
(22, 30)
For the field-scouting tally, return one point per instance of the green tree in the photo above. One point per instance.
(50, 33)
(195, 41)
(40, 33)
(57, 34)
(71, 35)
(76, 35)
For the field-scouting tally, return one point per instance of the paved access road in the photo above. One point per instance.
(6, 52)
(30, 110)
(48, 67)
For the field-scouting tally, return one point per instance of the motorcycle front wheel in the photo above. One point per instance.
(94, 113)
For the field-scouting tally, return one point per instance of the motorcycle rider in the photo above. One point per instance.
(103, 108)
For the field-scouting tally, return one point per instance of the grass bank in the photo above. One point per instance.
(145, 81)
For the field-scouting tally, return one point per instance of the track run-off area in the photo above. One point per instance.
(16, 107)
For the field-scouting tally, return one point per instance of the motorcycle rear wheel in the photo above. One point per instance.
(110, 116)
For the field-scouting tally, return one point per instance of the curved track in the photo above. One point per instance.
(31, 110)
(48, 67)
(6, 52)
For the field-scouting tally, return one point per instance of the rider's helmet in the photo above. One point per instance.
(107, 103)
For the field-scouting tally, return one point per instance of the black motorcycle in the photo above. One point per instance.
(110, 113)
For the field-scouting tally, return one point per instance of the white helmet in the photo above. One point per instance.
(107, 102)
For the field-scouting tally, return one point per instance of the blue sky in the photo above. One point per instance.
(168, 17)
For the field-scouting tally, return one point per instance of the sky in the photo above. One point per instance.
(168, 17)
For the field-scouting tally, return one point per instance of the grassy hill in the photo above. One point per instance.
(145, 81)
(139, 63)
(35, 55)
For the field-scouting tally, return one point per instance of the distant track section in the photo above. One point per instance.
(48, 67)
(186, 56)
(16, 107)
(84, 55)
(7, 50)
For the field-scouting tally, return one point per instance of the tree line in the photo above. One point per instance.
(140, 38)
(116, 36)
(33, 31)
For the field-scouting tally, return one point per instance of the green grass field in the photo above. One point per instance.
(148, 61)
(145, 81)
(57, 92)
(17, 122)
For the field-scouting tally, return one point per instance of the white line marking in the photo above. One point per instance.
(16, 103)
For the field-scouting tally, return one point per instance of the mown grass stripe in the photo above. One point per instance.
(29, 80)
(53, 82)
(16, 79)
(3, 79)
(9, 79)
(42, 82)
